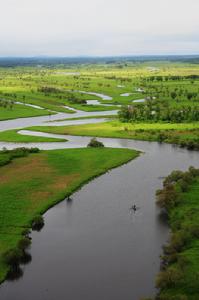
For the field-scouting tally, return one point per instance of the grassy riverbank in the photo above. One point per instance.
(86, 117)
(21, 111)
(30, 185)
(185, 134)
(179, 278)
(15, 137)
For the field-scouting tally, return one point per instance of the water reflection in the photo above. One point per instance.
(16, 270)
(69, 201)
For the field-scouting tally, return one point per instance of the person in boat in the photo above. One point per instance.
(134, 207)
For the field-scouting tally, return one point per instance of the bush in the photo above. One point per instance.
(24, 243)
(34, 150)
(179, 240)
(184, 186)
(176, 297)
(168, 278)
(194, 230)
(6, 156)
(4, 159)
(173, 177)
(37, 223)
(187, 177)
(194, 171)
(182, 261)
(168, 197)
(161, 137)
(13, 257)
(95, 143)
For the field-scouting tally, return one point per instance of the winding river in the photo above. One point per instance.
(94, 247)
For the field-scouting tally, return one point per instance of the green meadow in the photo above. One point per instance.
(176, 133)
(21, 111)
(170, 84)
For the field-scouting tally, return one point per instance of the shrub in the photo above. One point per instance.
(161, 137)
(168, 278)
(37, 223)
(187, 177)
(95, 143)
(34, 150)
(24, 243)
(13, 256)
(4, 159)
(176, 297)
(194, 171)
(173, 177)
(6, 156)
(194, 230)
(179, 240)
(184, 186)
(182, 261)
(168, 197)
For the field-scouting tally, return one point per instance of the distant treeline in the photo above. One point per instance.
(54, 61)
(172, 77)
(154, 113)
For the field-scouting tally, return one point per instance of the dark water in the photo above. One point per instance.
(94, 247)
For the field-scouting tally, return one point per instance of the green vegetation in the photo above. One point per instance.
(21, 111)
(31, 184)
(179, 276)
(6, 156)
(157, 101)
(183, 134)
(15, 137)
(85, 118)
(154, 113)
(166, 86)
(94, 143)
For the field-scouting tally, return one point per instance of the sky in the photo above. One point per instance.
(98, 27)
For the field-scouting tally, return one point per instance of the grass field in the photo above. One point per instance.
(15, 137)
(30, 185)
(55, 87)
(21, 111)
(167, 132)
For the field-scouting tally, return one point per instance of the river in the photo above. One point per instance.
(94, 246)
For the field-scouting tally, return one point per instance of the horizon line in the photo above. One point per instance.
(98, 56)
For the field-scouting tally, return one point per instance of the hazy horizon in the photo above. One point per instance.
(98, 28)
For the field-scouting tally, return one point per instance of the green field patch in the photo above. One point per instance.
(15, 137)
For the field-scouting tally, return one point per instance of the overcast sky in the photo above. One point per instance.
(98, 27)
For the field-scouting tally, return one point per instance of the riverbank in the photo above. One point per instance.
(14, 137)
(183, 134)
(31, 185)
(180, 263)
(22, 111)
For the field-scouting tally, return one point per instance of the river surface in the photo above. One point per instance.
(94, 247)
(47, 120)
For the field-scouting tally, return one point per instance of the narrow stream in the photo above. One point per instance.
(47, 120)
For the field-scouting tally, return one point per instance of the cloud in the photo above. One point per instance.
(98, 27)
